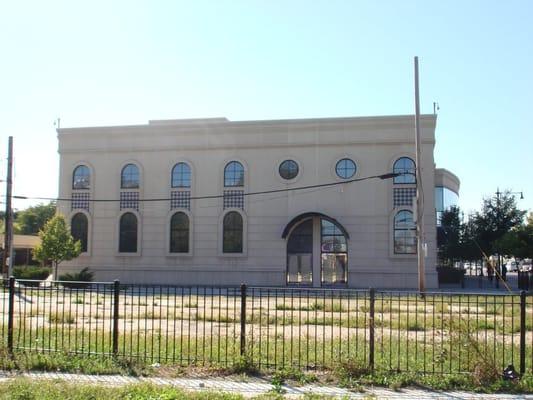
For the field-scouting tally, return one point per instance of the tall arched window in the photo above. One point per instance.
(406, 167)
(79, 229)
(313, 260)
(129, 177)
(300, 254)
(81, 178)
(181, 176)
(128, 233)
(334, 253)
(404, 233)
(232, 236)
(234, 174)
(179, 233)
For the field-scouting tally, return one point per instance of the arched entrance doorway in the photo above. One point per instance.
(317, 251)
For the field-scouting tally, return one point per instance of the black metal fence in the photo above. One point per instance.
(271, 327)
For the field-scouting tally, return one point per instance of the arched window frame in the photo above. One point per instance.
(168, 233)
(404, 179)
(244, 251)
(188, 164)
(126, 165)
(138, 191)
(318, 250)
(226, 165)
(395, 215)
(139, 234)
(89, 170)
(89, 228)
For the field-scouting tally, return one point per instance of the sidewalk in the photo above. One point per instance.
(251, 386)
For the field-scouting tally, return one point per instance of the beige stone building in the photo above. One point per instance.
(219, 202)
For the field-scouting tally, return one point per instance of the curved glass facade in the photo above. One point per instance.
(444, 200)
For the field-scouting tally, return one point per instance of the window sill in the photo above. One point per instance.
(232, 255)
(403, 256)
(137, 254)
(179, 255)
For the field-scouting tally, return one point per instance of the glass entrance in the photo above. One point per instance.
(317, 244)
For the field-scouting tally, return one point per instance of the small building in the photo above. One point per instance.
(23, 246)
(270, 203)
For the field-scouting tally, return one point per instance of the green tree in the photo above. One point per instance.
(498, 216)
(31, 220)
(57, 244)
(519, 241)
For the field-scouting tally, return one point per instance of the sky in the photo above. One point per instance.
(98, 63)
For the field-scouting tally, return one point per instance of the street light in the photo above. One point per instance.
(498, 194)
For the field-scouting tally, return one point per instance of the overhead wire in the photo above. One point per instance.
(218, 196)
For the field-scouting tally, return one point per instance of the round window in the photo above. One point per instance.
(288, 169)
(345, 168)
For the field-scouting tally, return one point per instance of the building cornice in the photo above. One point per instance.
(223, 134)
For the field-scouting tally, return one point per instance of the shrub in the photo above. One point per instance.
(450, 274)
(32, 273)
(76, 279)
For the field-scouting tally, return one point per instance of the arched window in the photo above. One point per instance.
(404, 233)
(234, 174)
(79, 229)
(128, 233)
(129, 177)
(181, 176)
(179, 233)
(81, 178)
(406, 167)
(304, 249)
(300, 254)
(232, 237)
(334, 253)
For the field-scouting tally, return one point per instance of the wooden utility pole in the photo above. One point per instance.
(420, 248)
(8, 235)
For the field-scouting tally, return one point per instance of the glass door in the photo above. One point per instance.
(300, 254)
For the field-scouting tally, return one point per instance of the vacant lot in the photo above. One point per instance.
(307, 328)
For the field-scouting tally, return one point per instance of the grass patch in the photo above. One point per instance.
(25, 389)
(61, 318)
(63, 362)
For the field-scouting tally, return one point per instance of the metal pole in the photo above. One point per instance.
(522, 332)
(116, 301)
(10, 314)
(371, 327)
(243, 319)
(419, 199)
(8, 236)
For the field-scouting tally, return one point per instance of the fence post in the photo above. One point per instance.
(116, 300)
(10, 314)
(522, 332)
(371, 326)
(243, 318)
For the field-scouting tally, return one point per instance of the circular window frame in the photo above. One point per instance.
(289, 178)
(347, 177)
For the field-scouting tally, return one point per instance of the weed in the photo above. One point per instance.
(244, 365)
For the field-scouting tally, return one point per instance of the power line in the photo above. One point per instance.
(219, 196)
